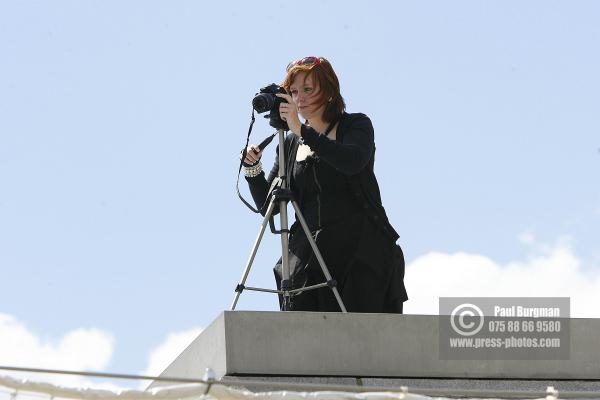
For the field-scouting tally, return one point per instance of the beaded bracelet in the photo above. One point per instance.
(253, 171)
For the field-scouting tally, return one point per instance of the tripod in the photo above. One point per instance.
(282, 195)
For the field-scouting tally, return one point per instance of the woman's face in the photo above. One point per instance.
(306, 96)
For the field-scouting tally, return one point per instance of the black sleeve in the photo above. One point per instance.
(352, 154)
(259, 186)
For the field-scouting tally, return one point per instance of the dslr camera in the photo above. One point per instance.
(266, 100)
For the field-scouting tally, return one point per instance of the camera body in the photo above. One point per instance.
(266, 100)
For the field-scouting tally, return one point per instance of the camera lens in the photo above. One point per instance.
(263, 102)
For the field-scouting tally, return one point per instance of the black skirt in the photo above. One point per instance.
(367, 266)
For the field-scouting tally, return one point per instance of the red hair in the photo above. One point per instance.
(326, 80)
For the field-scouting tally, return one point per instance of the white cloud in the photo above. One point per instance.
(526, 238)
(174, 344)
(79, 350)
(550, 270)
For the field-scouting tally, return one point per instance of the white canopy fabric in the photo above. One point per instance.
(15, 389)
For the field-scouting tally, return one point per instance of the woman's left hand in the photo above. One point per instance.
(289, 113)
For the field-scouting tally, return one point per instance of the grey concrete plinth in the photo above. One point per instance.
(303, 344)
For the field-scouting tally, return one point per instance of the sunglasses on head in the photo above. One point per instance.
(304, 61)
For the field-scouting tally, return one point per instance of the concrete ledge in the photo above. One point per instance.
(362, 345)
(497, 385)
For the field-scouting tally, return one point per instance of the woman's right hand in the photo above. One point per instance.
(253, 155)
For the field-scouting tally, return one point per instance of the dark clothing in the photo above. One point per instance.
(339, 197)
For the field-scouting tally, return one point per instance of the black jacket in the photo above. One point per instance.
(353, 154)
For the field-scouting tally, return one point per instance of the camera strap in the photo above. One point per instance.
(244, 153)
(261, 146)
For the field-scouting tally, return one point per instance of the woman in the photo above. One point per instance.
(330, 166)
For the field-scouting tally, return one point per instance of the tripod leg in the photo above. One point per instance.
(318, 254)
(253, 254)
(285, 264)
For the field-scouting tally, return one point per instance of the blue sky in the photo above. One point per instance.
(121, 122)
